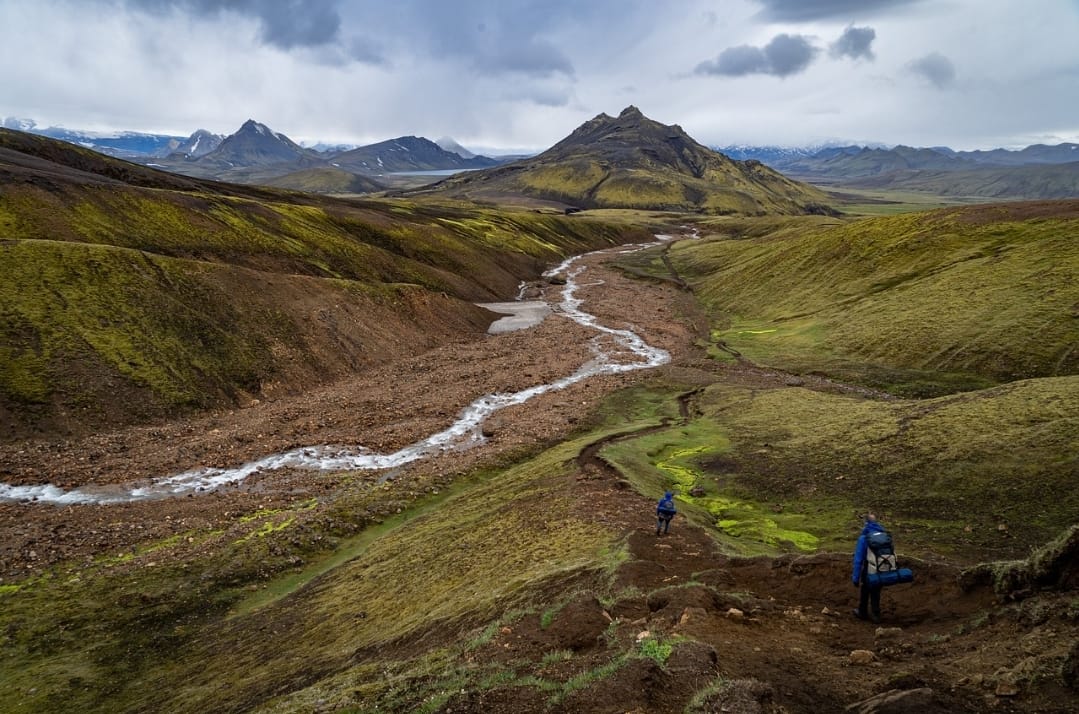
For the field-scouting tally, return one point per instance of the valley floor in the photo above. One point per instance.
(777, 633)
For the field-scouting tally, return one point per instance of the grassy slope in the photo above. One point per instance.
(791, 468)
(145, 638)
(586, 181)
(188, 296)
(917, 303)
(988, 293)
(326, 180)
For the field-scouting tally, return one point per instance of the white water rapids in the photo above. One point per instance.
(633, 354)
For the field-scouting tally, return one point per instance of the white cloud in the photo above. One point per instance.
(523, 73)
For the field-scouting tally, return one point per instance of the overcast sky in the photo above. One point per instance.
(521, 74)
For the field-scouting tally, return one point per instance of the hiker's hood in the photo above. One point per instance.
(668, 495)
(872, 527)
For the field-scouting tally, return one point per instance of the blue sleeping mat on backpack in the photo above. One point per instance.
(892, 577)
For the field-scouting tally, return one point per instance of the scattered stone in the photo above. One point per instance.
(491, 427)
(735, 614)
(885, 633)
(828, 612)
(697, 491)
(1007, 687)
(643, 635)
(897, 701)
(862, 658)
(692, 613)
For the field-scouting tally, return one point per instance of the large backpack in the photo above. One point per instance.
(882, 566)
(880, 555)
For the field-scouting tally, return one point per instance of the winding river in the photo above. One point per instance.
(633, 354)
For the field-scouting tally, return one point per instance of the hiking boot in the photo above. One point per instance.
(858, 614)
(875, 617)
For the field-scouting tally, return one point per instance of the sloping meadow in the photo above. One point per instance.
(918, 305)
(964, 319)
(122, 302)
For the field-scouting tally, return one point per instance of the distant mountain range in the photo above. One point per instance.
(631, 161)
(1038, 171)
(830, 158)
(257, 155)
(124, 144)
(407, 153)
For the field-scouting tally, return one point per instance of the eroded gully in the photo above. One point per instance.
(614, 351)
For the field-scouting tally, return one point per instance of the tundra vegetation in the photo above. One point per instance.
(923, 365)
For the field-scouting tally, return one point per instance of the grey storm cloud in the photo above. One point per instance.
(936, 68)
(855, 43)
(492, 38)
(286, 24)
(783, 56)
(810, 10)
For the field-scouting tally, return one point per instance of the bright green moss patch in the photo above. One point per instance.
(24, 376)
(674, 459)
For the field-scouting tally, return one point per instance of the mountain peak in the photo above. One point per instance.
(252, 125)
(632, 161)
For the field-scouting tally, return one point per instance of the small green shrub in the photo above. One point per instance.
(656, 650)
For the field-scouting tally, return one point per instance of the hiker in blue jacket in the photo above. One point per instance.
(869, 595)
(665, 511)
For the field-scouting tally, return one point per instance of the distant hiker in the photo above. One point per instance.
(872, 555)
(665, 511)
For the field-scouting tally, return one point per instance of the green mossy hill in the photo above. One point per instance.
(475, 254)
(631, 161)
(169, 293)
(95, 334)
(967, 473)
(326, 180)
(918, 303)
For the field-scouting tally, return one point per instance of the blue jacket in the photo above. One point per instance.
(665, 507)
(861, 548)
